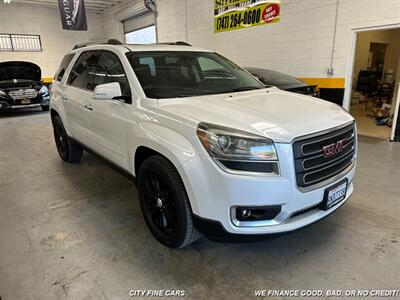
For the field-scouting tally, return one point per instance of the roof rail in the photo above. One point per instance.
(109, 42)
(114, 42)
(117, 42)
(178, 43)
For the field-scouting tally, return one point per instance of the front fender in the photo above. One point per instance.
(57, 105)
(169, 143)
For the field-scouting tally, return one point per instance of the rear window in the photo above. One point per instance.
(63, 67)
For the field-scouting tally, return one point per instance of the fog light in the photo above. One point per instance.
(257, 213)
(246, 213)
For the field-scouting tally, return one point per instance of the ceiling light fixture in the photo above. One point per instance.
(6, 1)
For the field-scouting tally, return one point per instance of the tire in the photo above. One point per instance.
(165, 204)
(68, 150)
(45, 107)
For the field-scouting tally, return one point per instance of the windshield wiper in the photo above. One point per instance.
(244, 88)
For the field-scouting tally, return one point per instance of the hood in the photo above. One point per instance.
(273, 113)
(20, 70)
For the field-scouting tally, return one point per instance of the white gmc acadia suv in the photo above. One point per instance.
(212, 149)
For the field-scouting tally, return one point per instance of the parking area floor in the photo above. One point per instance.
(75, 231)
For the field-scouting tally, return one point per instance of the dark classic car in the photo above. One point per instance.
(283, 81)
(21, 86)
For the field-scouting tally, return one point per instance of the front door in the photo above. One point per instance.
(111, 119)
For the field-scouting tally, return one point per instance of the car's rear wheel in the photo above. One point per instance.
(165, 204)
(68, 150)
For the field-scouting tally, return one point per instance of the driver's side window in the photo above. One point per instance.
(109, 69)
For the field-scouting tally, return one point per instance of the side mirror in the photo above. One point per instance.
(107, 91)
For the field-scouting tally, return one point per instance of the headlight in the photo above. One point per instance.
(3, 94)
(237, 150)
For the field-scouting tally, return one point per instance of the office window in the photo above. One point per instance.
(142, 36)
(20, 42)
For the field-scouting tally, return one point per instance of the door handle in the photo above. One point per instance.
(64, 98)
(88, 107)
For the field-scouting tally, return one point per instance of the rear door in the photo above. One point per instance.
(57, 88)
(78, 94)
(110, 120)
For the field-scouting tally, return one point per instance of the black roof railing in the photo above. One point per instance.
(109, 42)
(117, 42)
(178, 43)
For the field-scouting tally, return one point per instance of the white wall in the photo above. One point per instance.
(112, 29)
(45, 21)
(300, 44)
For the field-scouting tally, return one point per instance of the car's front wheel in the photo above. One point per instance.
(165, 204)
(68, 150)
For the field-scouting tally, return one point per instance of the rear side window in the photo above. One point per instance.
(82, 73)
(63, 66)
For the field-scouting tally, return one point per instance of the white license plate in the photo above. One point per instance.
(335, 195)
(25, 101)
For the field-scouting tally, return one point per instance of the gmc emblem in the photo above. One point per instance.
(334, 148)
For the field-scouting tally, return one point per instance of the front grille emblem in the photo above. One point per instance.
(332, 149)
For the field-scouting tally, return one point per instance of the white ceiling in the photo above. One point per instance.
(98, 5)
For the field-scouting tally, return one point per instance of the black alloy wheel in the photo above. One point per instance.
(68, 150)
(165, 204)
(159, 204)
(60, 139)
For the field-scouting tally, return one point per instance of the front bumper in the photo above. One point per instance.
(213, 193)
(16, 104)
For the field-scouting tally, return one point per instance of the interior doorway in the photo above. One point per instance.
(375, 77)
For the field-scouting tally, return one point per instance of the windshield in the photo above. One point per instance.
(175, 74)
(274, 78)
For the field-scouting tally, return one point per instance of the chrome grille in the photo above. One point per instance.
(23, 94)
(321, 157)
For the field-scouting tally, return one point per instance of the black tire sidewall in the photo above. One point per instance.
(57, 121)
(162, 168)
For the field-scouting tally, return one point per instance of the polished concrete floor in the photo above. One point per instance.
(76, 232)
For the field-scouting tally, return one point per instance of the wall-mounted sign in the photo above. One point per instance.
(238, 14)
(73, 15)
